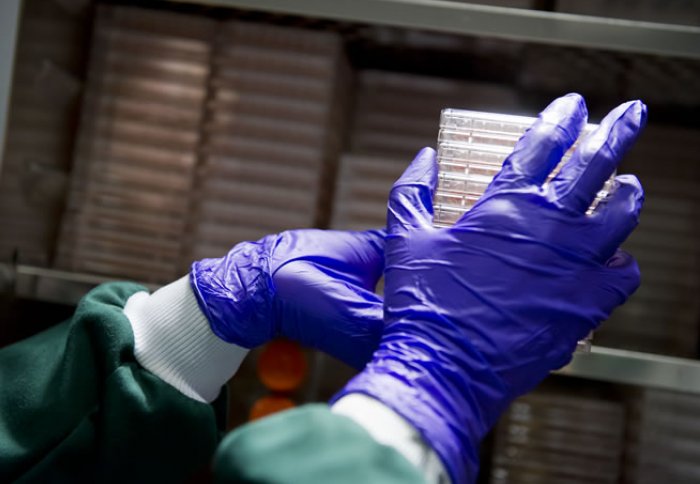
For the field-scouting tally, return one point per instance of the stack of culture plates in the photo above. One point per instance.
(472, 147)
(559, 439)
(395, 115)
(39, 136)
(664, 439)
(137, 144)
(274, 121)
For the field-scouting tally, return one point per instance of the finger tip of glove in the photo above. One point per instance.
(573, 102)
(426, 151)
(631, 114)
(642, 110)
(423, 169)
(578, 99)
(621, 259)
(617, 133)
(410, 200)
(635, 113)
(569, 112)
(627, 269)
(630, 183)
(426, 160)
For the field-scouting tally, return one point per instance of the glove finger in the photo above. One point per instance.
(357, 257)
(576, 185)
(359, 326)
(355, 253)
(612, 284)
(622, 280)
(411, 198)
(542, 146)
(367, 260)
(346, 322)
(603, 288)
(618, 214)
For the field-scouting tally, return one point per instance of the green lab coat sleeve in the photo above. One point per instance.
(309, 445)
(76, 406)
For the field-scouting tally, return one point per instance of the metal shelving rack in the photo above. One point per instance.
(495, 22)
(603, 364)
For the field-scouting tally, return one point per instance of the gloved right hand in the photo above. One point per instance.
(479, 313)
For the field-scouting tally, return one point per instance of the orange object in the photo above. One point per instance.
(268, 405)
(282, 366)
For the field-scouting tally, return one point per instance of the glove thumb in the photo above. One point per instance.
(411, 198)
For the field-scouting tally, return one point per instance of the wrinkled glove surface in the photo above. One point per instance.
(479, 313)
(311, 286)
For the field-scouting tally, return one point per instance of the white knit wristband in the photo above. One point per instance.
(389, 428)
(173, 340)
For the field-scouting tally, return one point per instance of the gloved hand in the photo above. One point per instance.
(479, 313)
(312, 286)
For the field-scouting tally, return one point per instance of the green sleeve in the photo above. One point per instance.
(76, 406)
(310, 445)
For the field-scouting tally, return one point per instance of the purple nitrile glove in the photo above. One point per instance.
(312, 286)
(479, 313)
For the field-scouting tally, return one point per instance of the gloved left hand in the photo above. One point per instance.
(311, 286)
(479, 313)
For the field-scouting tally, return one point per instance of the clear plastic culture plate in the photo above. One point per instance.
(472, 147)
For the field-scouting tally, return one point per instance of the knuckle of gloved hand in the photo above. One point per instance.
(522, 213)
(549, 136)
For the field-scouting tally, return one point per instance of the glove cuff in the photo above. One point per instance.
(448, 436)
(235, 293)
(451, 396)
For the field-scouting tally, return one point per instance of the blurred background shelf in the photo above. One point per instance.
(636, 368)
(494, 21)
(50, 285)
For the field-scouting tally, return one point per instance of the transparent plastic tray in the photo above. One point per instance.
(472, 147)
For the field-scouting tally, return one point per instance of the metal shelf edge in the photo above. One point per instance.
(52, 285)
(9, 28)
(497, 22)
(635, 368)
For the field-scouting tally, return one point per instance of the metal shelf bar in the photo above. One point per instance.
(635, 368)
(9, 27)
(51, 285)
(602, 364)
(497, 22)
